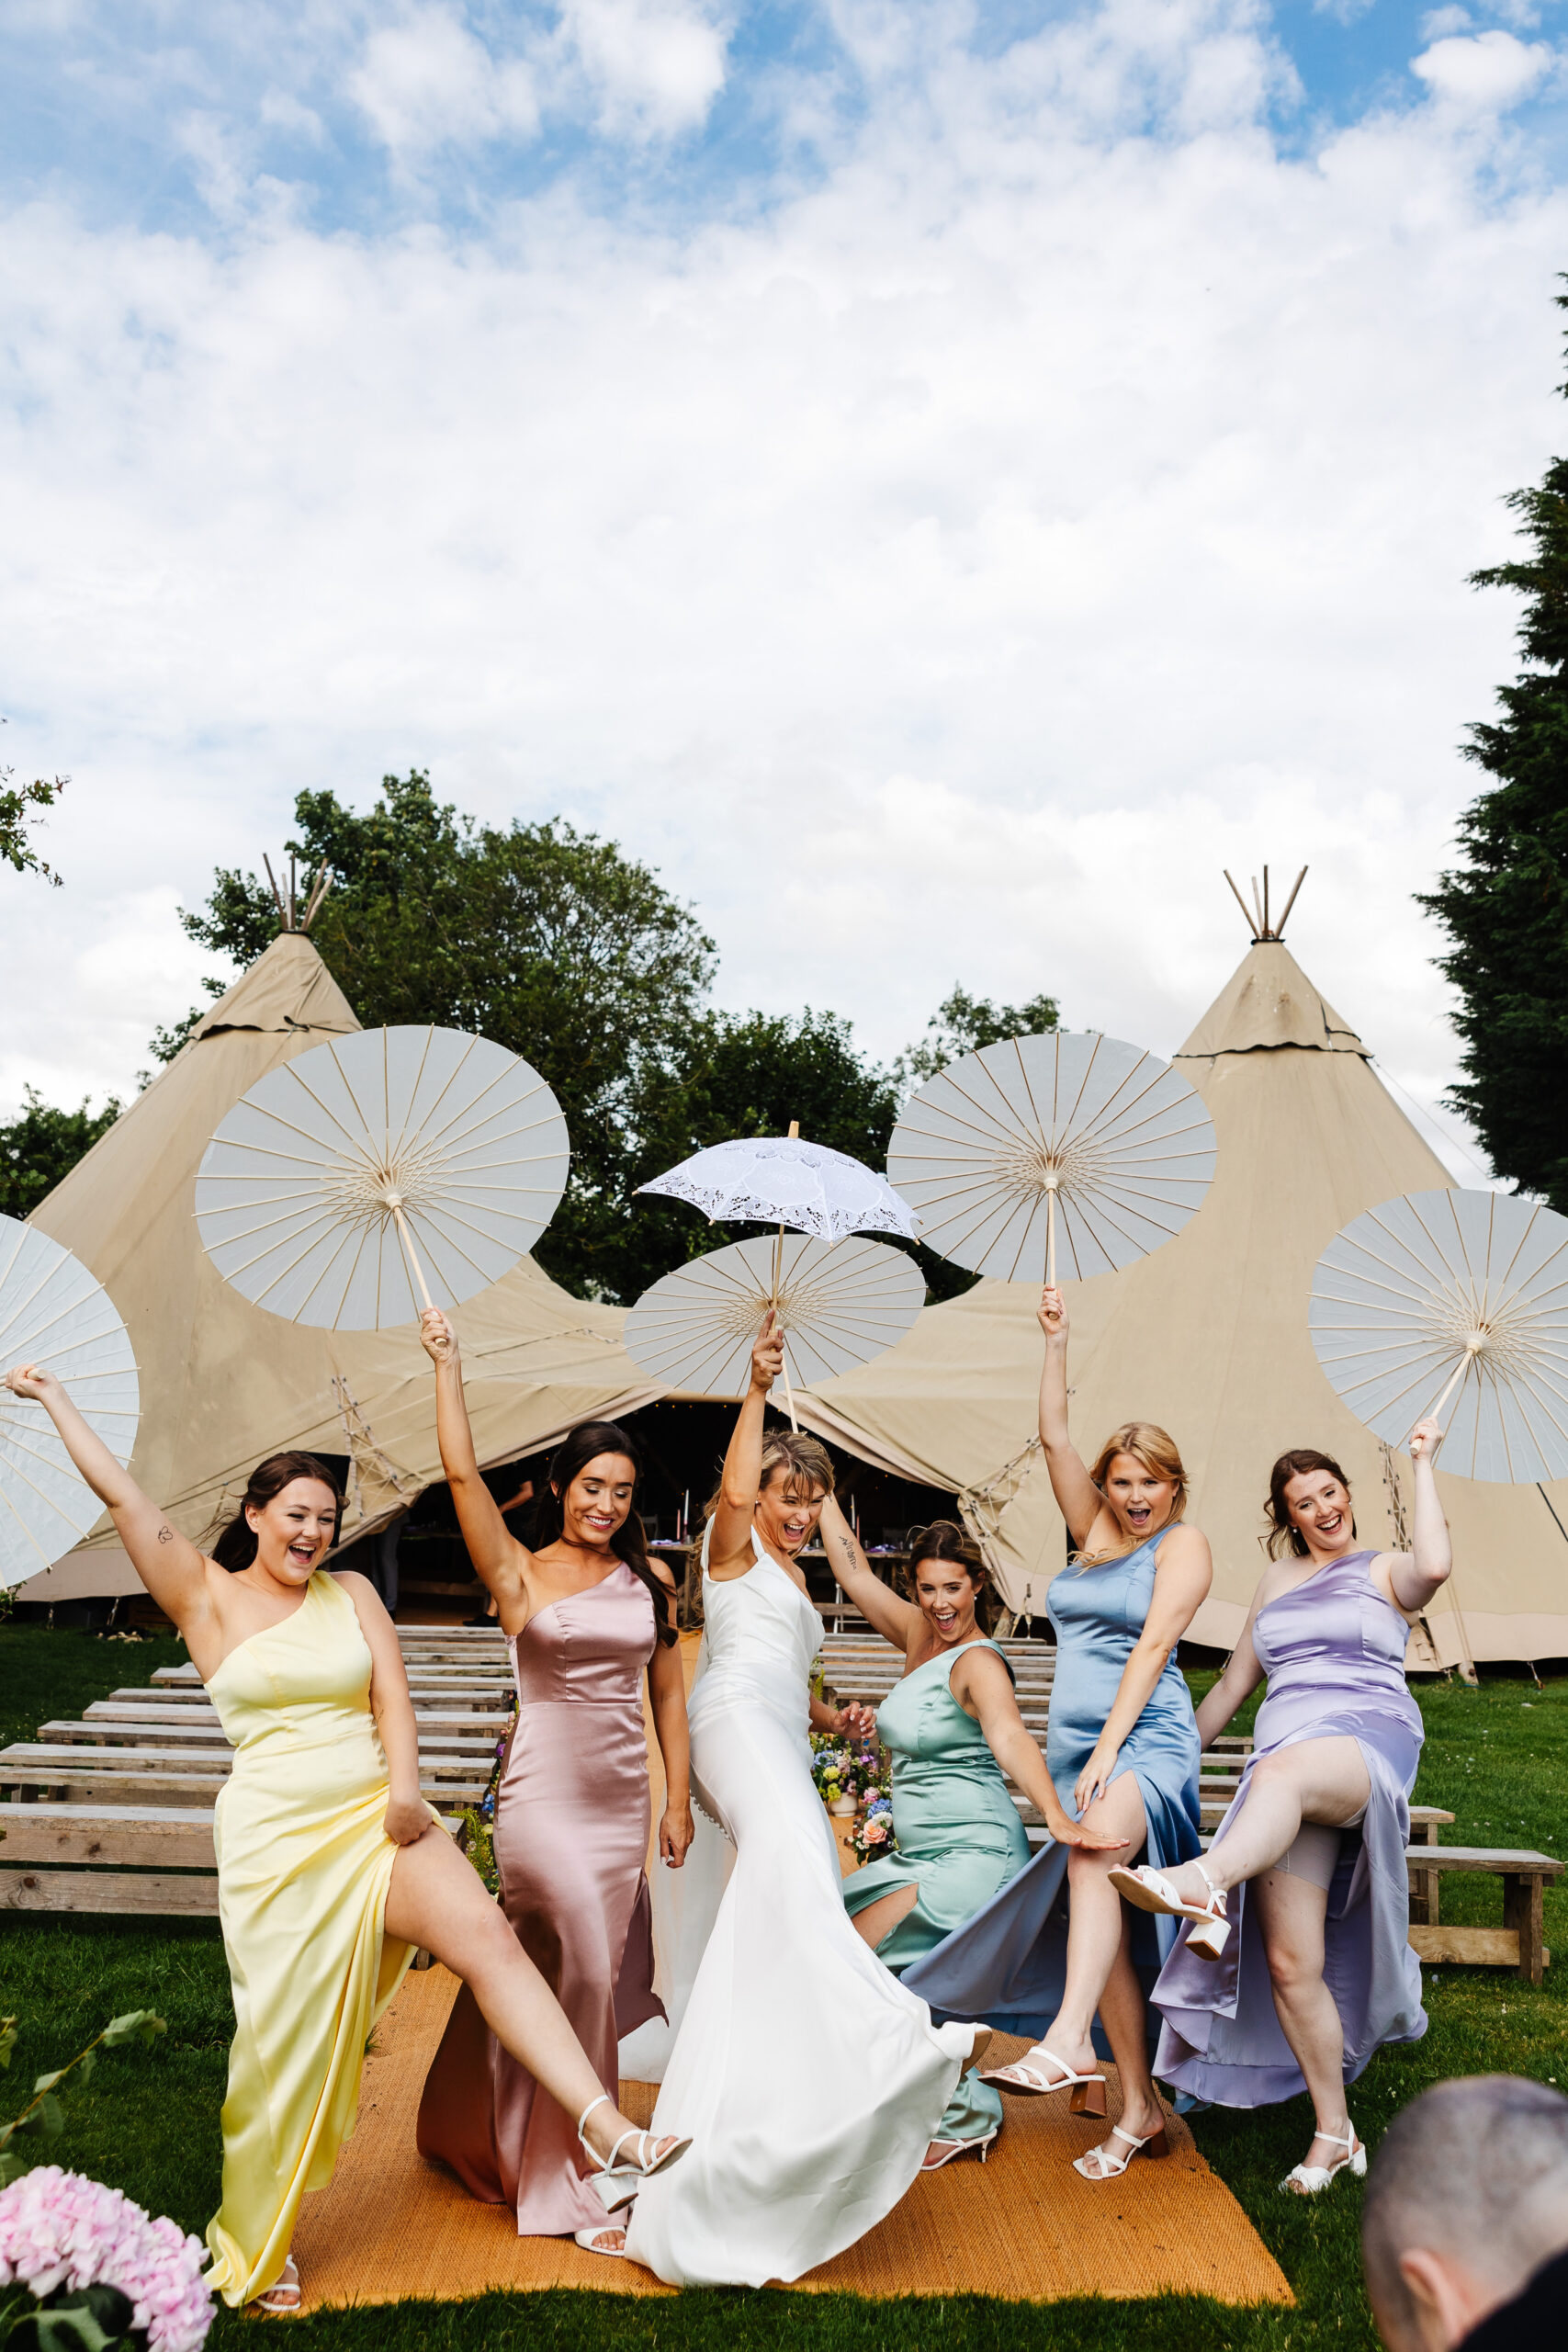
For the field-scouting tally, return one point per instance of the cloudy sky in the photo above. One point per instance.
(938, 481)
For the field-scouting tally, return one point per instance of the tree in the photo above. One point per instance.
(962, 1025)
(44, 1144)
(545, 939)
(1506, 908)
(17, 803)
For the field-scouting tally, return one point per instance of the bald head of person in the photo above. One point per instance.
(1468, 2197)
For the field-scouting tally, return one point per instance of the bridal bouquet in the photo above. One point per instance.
(96, 2273)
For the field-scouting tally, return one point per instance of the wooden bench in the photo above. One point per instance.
(155, 1860)
(1519, 1942)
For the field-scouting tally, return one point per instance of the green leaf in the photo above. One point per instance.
(51, 2116)
(79, 2318)
(47, 2082)
(11, 2168)
(8, 2041)
(137, 2025)
(85, 2064)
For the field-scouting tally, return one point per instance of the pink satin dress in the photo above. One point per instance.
(571, 1830)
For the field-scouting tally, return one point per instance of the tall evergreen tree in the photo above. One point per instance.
(1506, 907)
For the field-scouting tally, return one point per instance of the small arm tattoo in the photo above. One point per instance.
(165, 1534)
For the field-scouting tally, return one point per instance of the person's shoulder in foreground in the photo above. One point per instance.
(1464, 2231)
(1537, 2318)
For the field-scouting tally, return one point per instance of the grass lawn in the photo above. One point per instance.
(148, 2120)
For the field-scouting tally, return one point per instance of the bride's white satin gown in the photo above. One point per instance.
(809, 2081)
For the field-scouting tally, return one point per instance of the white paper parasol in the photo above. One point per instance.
(1068, 1143)
(380, 1173)
(779, 1179)
(53, 1313)
(1453, 1298)
(839, 1304)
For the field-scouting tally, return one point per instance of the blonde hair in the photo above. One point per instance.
(808, 1459)
(1153, 1449)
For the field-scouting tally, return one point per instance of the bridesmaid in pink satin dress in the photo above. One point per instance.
(585, 1615)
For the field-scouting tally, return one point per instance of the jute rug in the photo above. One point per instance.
(1023, 2226)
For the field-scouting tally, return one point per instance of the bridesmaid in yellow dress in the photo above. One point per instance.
(329, 1877)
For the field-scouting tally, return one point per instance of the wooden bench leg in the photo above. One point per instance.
(1424, 1896)
(1522, 1912)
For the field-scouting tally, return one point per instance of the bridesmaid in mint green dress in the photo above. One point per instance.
(951, 1725)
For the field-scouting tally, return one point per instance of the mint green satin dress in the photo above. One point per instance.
(959, 1835)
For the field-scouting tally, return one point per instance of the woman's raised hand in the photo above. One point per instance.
(31, 1380)
(767, 1355)
(1053, 1313)
(1425, 1439)
(436, 1337)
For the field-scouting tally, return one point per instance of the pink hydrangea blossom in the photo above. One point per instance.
(58, 2229)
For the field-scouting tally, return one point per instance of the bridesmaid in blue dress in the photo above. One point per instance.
(1056, 1946)
(951, 1725)
(1310, 1853)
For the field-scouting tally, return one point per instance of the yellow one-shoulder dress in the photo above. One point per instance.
(304, 1863)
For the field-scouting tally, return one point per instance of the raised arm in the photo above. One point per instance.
(1077, 1498)
(500, 1563)
(1418, 1574)
(981, 1682)
(169, 1565)
(1183, 1576)
(731, 1539)
(897, 1621)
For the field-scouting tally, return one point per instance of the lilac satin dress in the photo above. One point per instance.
(572, 1828)
(1332, 1649)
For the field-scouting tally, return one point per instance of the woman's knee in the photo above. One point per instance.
(1292, 1964)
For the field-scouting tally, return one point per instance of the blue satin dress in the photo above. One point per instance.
(1008, 1964)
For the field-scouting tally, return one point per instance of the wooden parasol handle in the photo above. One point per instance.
(406, 1237)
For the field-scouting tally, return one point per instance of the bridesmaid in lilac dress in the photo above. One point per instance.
(585, 1613)
(1318, 1828)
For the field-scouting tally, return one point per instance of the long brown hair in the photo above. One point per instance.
(942, 1540)
(1153, 1449)
(629, 1543)
(236, 1546)
(1284, 1537)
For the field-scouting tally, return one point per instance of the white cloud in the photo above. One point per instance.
(426, 80)
(942, 575)
(1488, 73)
(654, 66)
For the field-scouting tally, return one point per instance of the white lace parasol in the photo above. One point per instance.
(1453, 1296)
(379, 1165)
(53, 1313)
(779, 1179)
(1066, 1141)
(839, 1303)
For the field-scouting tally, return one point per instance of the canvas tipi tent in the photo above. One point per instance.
(1209, 1336)
(223, 1383)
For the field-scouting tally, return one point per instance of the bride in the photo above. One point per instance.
(815, 2080)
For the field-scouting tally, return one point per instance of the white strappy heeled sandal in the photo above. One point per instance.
(1311, 2180)
(589, 2241)
(618, 2182)
(1111, 2166)
(1027, 2078)
(1150, 1889)
(283, 2299)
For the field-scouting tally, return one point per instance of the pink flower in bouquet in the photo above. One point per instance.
(58, 2229)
